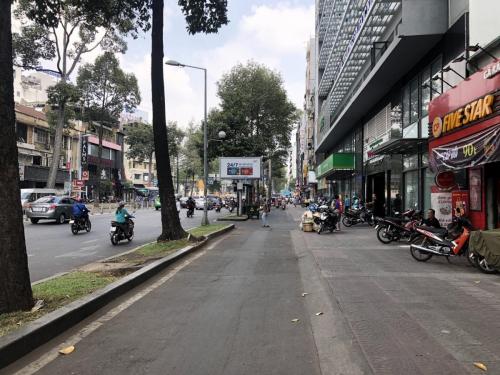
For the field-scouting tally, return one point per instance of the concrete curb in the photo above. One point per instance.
(19, 343)
(234, 218)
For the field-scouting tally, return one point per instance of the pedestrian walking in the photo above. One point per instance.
(265, 214)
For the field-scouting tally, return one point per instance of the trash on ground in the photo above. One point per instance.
(481, 366)
(68, 350)
(304, 294)
(38, 305)
(295, 320)
(319, 313)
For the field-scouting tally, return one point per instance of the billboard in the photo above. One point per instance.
(240, 168)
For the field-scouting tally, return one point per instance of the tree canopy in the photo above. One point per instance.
(255, 113)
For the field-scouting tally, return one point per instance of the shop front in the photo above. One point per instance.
(464, 149)
(337, 172)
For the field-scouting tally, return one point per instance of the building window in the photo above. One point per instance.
(406, 106)
(37, 160)
(437, 85)
(137, 176)
(22, 132)
(414, 107)
(428, 178)
(411, 189)
(426, 90)
(41, 136)
(146, 177)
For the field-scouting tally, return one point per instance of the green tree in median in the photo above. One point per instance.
(255, 113)
(205, 16)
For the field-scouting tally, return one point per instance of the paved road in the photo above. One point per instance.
(228, 310)
(52, 248)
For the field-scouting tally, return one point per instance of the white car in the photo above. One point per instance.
(200, 204)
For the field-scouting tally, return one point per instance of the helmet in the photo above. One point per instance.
(121, 204)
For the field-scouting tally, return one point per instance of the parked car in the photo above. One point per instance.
(31, 195)
(50, 208)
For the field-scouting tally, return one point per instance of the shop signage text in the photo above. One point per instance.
(492, 70)
(477, 149)
(471, 112)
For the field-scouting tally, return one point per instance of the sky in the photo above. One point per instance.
(271, 32)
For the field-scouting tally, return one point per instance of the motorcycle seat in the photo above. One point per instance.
(441, 231)
(395, 219)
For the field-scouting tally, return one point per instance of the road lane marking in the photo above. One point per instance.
(90, 241)
(53, 353)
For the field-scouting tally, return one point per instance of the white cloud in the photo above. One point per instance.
(272, 35)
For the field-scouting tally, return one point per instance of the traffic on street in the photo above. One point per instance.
(53, 249)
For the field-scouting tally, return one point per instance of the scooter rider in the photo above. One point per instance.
(121, 216)
(190, 204)
(79, 210)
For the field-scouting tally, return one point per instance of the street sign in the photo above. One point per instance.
(78, 183)
(85, 175)
(210, 180)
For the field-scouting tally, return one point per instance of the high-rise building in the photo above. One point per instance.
(380, 64)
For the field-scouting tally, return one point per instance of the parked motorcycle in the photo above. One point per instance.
(190, 212)
(327, 220)
(362, 215)
(218, 207)
(397, 228)
(119, 232)
(283, 205)
(448, 242)
(80, 223)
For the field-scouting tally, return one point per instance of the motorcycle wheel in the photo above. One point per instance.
(370, 221)
(483, 265)
(471, 257)
(88, 226)
(114, 239)
(320, 228)
(74, 228)
(420, 256)
(346, 221)
(131, 236)
(383, 236)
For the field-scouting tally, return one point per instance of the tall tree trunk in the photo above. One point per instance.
(15, 286)
(171, 225)
(150, 167)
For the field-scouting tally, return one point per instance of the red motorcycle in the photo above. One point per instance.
(448, 242)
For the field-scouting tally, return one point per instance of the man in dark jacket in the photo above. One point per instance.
(431, 220)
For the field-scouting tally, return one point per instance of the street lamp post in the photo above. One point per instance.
(204, 220)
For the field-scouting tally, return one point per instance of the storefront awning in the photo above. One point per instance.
(477, 149)
(339, 163)
(400, 146)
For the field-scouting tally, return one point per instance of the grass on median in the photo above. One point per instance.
(207, 229)
(64, 289)
(56, 293)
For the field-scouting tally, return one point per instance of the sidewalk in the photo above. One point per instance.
(369, 309)
(406, 317)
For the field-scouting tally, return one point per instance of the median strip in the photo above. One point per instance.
(69, 298)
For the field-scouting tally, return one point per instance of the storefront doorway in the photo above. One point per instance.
(376, 185)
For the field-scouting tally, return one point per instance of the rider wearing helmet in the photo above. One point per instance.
(121, 216)
(79, 210)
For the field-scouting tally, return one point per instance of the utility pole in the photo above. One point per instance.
(269, 183)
